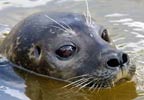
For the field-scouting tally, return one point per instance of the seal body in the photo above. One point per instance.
(66, 46)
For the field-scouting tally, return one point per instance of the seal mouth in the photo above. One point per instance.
(106, 81)
(122, 80)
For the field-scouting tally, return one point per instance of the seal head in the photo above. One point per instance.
(67, 46)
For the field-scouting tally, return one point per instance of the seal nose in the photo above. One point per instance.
(118, 61)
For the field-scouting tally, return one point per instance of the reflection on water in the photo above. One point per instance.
(125, 23)
(43, 88)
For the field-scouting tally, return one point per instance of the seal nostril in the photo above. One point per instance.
(113, 62)
(124, 58)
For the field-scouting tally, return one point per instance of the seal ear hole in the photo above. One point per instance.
(37, 51)
(105, 36)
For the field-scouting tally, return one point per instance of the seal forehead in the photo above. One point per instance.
(57, 23)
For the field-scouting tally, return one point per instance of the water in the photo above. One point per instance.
(125, 23)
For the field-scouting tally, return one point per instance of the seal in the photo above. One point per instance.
(67, 46)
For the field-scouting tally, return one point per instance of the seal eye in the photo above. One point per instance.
(105, 36)
(66, 51)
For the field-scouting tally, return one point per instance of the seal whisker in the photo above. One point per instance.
(77, 77)
(55, 22)
(86, 84)
(59, 24)
(100, 86)
(95, 82)
(58, 27)
(69, 31)
(85, 15)
(79, 84)
(72, 83)
(98, 82)
(88, 12)
(67, 26)
(92, 86)
(96, 86)
(86, 80)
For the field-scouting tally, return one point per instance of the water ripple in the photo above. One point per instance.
(14, 93)
(24, 3)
